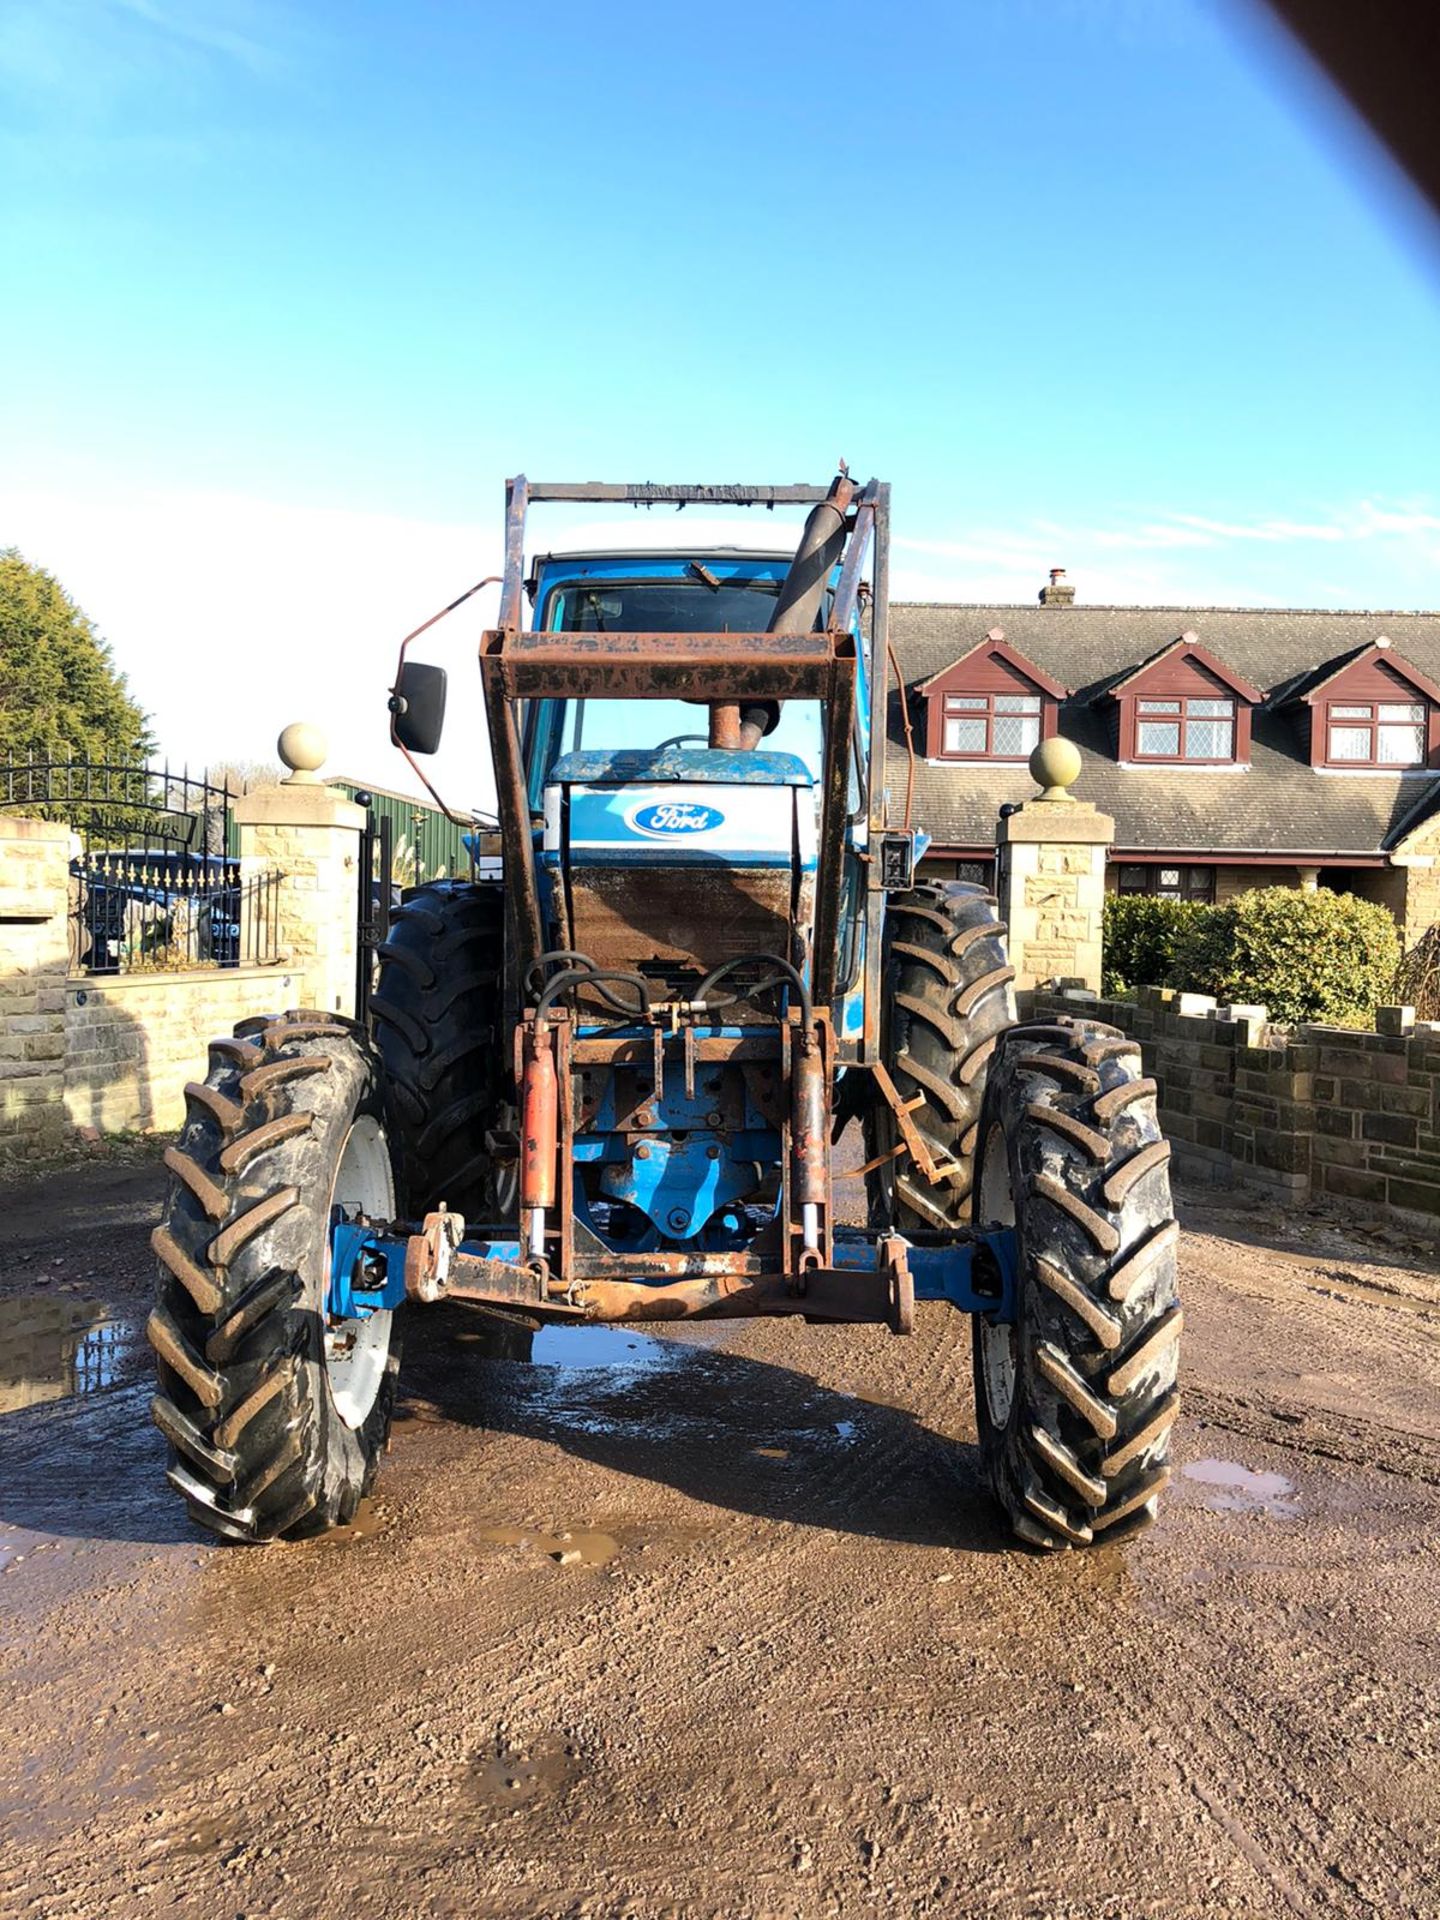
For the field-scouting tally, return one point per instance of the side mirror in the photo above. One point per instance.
(417, 707)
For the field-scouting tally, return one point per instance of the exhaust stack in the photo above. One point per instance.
(822, 542)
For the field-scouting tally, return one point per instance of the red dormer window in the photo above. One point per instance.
(999, 726)
(1185, 707)
(1373, 712)
(1376, 733)
(990, 704)
(1201, 729)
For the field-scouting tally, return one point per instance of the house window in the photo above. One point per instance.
(1375, 733)
(985, 726)
(1185, 729)
(1170, 883)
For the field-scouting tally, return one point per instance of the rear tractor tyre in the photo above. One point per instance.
(1075, 1401)
(436, 1015)
(275, 1412)
(948, 996)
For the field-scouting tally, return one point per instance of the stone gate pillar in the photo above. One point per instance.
(305, 837)
(1050, 870)
(34, 962)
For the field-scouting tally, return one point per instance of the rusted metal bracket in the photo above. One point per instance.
(884, 1296)
(430, 1253)
(931, 1170)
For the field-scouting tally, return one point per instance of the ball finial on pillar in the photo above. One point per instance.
(303, 748)
(1055, 767)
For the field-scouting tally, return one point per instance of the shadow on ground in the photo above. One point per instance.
(734, 1432)
(717, 1426)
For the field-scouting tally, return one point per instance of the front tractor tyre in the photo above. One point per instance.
(276, 1412)
(1075, 1400)
(948, 998)
(436, 1016)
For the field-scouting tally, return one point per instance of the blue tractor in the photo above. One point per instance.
(605, 1087)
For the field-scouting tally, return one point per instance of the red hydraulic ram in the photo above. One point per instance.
(539, 1135)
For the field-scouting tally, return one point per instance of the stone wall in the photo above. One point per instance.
(131, 1041)
(1311, 1111)
(34, 960)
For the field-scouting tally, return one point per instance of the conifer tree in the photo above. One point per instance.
(61, 696)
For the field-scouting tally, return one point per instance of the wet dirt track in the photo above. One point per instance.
(722, 1624)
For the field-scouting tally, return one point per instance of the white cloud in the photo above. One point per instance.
(1376, 555)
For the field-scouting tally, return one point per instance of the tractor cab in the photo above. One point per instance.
(660, 849)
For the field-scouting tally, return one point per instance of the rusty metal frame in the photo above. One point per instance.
(869, 1051)
(662, 666)
(912, 1141)
(517, 666)
(724, 1289)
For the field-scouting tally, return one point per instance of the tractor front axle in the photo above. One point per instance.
(877, 1279)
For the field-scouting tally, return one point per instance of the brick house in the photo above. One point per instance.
(1234, 746)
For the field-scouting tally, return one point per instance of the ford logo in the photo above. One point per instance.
(672, 819)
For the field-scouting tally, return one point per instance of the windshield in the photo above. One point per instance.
(665, 606)
(606, 725)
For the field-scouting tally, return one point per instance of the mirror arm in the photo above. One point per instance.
(397, 703)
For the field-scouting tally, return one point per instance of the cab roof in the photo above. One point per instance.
(651, 550)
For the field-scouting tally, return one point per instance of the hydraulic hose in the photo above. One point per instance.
(780, 970)
(557, 957)
(595, 977)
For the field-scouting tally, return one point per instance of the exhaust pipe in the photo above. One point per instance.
(822, 543)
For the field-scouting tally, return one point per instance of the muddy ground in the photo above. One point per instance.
(721, 1624)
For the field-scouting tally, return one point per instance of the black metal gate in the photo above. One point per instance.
(377, 893)
(155, 880)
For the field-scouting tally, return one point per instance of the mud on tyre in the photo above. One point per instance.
(436, 1016)
(948, 996)
(1075, 1402)
(275, 1415)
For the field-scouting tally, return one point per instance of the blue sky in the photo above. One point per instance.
(1099, 283)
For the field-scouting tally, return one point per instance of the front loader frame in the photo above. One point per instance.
(516, 665)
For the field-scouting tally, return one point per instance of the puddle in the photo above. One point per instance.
(583, 1347)
(573, 1548)
(56, 1346)
(372, 1517)
(598, 1346)
(1231, 1488)
(1362, 1290)
(510, 1776)
(844, 1431)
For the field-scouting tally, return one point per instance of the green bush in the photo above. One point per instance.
(1304, 956)
(1140, 934)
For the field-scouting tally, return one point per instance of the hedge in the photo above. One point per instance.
(1140, 933)
(1303, 955)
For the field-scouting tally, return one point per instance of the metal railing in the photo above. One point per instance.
(155, 884)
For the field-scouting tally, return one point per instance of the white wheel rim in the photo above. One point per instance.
(997, 1339)
(357, 1352)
